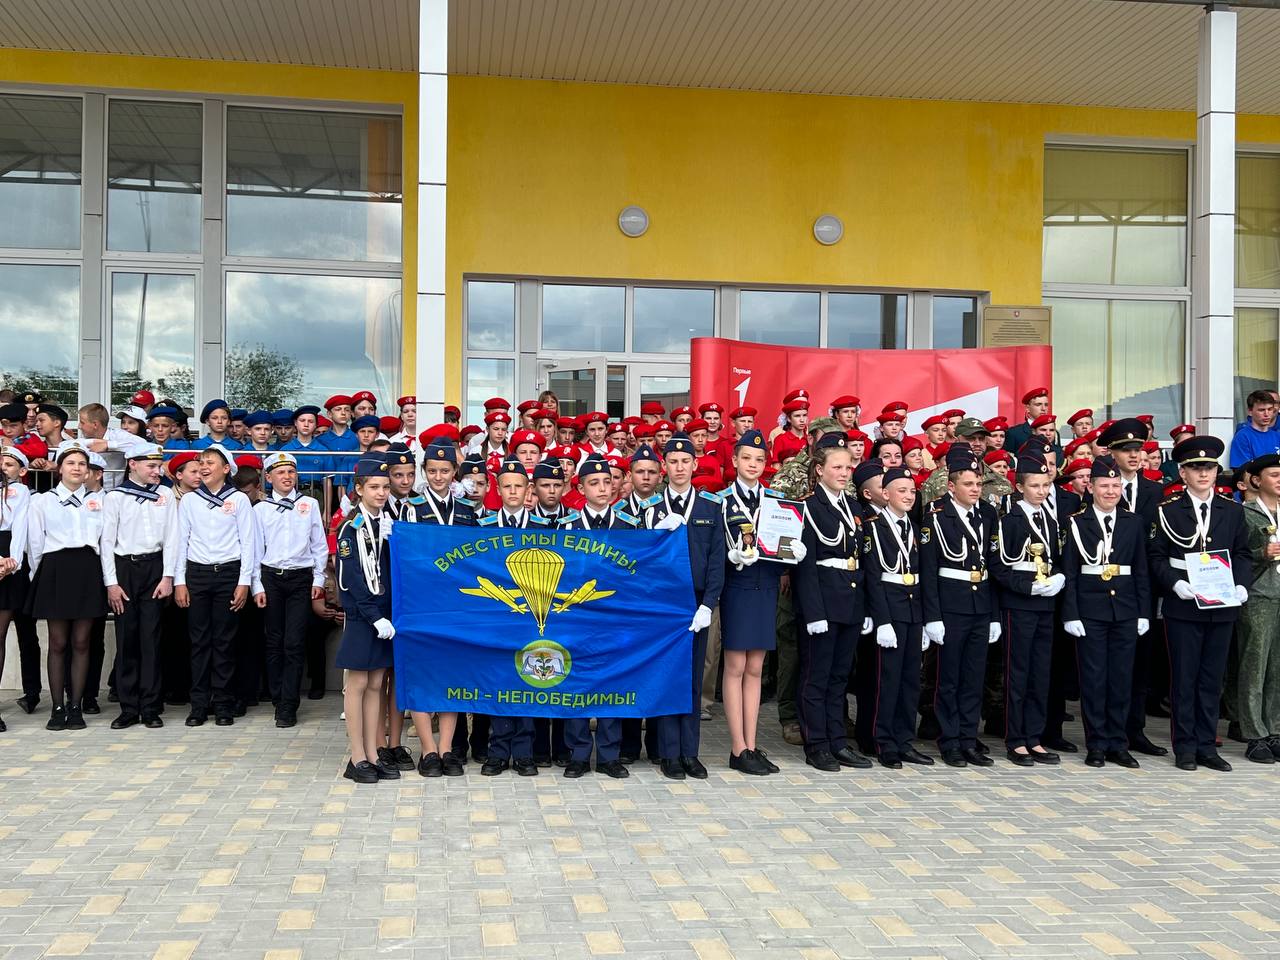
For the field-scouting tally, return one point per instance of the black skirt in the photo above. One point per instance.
(68, 586)
(13, 588)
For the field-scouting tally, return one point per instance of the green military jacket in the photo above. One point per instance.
(792, 478)
(1266, 572)
(994, 487)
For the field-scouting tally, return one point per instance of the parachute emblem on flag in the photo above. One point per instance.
(536, 574)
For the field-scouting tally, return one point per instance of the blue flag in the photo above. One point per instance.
(545, 623)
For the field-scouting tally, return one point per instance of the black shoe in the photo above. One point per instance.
(477, 757)
(224, 720)
(1095, 758)
(694, 768)
(954, 757)
(239, 709)
(492, 767)
(1019, 759)
(764, 758)
(912, 755)
(1185, 761)
(628, 758)
(1234, 732)
(749, 763)
(362, 772)
(430, 765)
(152, 722)
(890, 759)
(823, 760)
(1210, 760)
(543, 760)
(850, 757)
(75, 717)
(1060, 744)
(1140, 744)
(576, 768)
(672, 769)
(1273, 743)
(57, 719)
(89, 705)
(1122, 758)
(613, 768)
(977, 759)
(451, 765)
(28, 704)
(126, 720)
(315, 694)
(387, 771)
(403, 758)
(1044, 756)
(196, 720)
(525, 767)
(4, 727)
(981, 748)
(286, 719)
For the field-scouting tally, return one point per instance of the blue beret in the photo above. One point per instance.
(753, 439)
(471, 466)
(238, 413)
(366, 421)
(173, 413)
(679, 443)
(513, 466)
(258, 418)
(314, 411)
(835, 438)
(548, 470)
(211, 406)
(442, 451)
(644, 452)
(595, 464)
(282, 417)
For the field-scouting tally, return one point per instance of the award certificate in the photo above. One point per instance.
(1209, 575)
(781, 523)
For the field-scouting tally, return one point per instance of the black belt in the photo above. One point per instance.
(285, 571)
(139, 557)
(215, 567)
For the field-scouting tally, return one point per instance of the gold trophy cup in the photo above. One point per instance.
(1042, 568)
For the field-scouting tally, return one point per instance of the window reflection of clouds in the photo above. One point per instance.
(587, 318)
(485, 379)
(785, 317)
(166, 306)
(491, 313)
(344, 332)
(39, 319)
(40, 172)
(153, 176)
(667, 318)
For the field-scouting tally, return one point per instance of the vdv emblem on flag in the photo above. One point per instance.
(553, 623)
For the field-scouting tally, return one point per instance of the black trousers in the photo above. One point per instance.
(866, 678)
(1029, 647)
(1197, 663)
(680, 735)
(824, 662)
(1106, 654)
(212, 626)
(138, 632)
(250, 653)
(285, 620)
(1140, 681)
(478, 742)
(993, 697)
(898, 690)
(175, 655)
(548, 739)
(1062, 680)
(318, 630)
(30, 656)
(631, 739)
(961, 667)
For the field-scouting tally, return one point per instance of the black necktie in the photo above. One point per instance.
(677, 504)
(752, 502)
(597, 523)
(511, 521)
(1106, 525)
(973, 519)
(902, 526)
(1204, 513)
(1038, 519)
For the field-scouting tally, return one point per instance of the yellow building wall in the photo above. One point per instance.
(221, 78)
(932, 194)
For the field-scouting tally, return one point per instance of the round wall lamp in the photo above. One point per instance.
(828, 229)
(633, 221)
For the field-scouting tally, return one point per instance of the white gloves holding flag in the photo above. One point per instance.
(1143, 625)
(701, 619)
(672, 521)
(384, 628)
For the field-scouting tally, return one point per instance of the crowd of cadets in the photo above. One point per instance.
(977, 571)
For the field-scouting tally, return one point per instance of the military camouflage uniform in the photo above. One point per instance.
(1257, 699)
(994, 487)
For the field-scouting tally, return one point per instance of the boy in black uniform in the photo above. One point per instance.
(1188, 525)
(959, 604)
(1105, 604)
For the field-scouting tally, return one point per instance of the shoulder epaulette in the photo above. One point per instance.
(770, 492)
(465, 502)
(1168, 500)
(357, 522)
(648, 502)
(716, 498)
(621, 515)
(571, 516)
(539, 521)
(418, 500)
(1228, 498)
(488, 521)
(1083, 508)
(936, 507)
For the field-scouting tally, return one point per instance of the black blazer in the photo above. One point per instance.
(1088, 596)
(944, 595)
(830, 593)
(1015, 530)
(891, 602)
(1227, 531)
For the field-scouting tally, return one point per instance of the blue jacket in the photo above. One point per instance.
(706, 544)
(1249, 443)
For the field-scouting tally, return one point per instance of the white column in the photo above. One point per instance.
(433, 112)
(1213, 250)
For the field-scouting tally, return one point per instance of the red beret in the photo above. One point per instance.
(1080, 415)
(180, 460)
(595, 416)
(337, 400)
(143, 398)
(800, 394)
(406, 400)
(890, 418)
(1150, 446)
(496, 403)
(1078, 464)
(1182, 428)
(682, 412)
(389, 424)
(1035, 392)
(847, 400)
(528, 436)
(616, 428)
(937, 420)
(911, 443)
(711, 407)
(663, 425)
(857, 436)
(524, 406)
(446, 431)
(497, 416)
(469, 430)
(1044, 420)
(542, 413)
(697, 423)
(895, 405)
(249, 460)
(652, 408)
(996, 423)
(737, 412)
(953, 412)
(450, 409)
(363, 396)
(795, 406)
(995, 456)
(617, 461)
(642, 431)
(323, 422)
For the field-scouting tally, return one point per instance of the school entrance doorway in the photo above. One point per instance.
(588, 383)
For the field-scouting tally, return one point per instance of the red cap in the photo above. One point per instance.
(143, 398)
(615, 428)
(858, 436)
(528, 436)
(1182, 428)
(567, 422)
(682, 412)
(800, 394)
(737, 412)
(389, 425)
(323, 422)
(445, 431)
(470, 430)
(542, 413)
(617, 461)
(1073, 446)
(846, 400)
(1079, 463)
(911, 443)
(652, 408)
(1079, 415)
(524, 406)
(642, 431)
(663, 425)
(405, 401)
(1150, 446)
(890, 418)
(795, 406)
(711, 407)
(895, 405)
(337, 400)
(364, 396)
(497, 416)
(995, 456)
(249, 460)
(1092, 435)
(179, 461)
(937, 420)
(1035, 392)
(697, 423)
(496, 403)
(1146, 418)
(595, 416)
(451, 409)
(631, 421)
(953, 412)
(1044, 420)
(558, 452)
(995, 424)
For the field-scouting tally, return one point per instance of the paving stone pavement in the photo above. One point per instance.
(244, 842)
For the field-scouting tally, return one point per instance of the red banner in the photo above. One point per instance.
(983, 382)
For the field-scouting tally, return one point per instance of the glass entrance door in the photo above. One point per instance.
(580, 383)
(667, 383)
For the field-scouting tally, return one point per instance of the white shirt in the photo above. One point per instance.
(133, 527)
(504, 513)
(209, 534)
(62, 519)
(1103, 516)
(289, 539)
(1129, 491)
(15, 506)
(1031, 512)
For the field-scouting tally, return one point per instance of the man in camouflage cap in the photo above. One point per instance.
(995, 488)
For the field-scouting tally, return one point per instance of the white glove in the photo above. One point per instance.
(818, 626)
(747, 559)
(799, 550)
(1183, 590)
(671, 521)
(933, 632)
(1055, 584)
(1039, 588)
(701, 618)
(1075, 628)
(924, 643)
(1242, 595)
(867, 625)
(1143, 625)
(385, 630)
(993, 631)
(886, 638)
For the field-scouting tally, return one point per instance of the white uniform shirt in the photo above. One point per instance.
(289, 537)
(136, 526)
(62, 519)
(15, 506)
(208, 533)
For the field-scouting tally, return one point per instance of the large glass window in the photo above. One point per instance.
(40, 308)
(1258, 222)
(867, 321)
(153, 336)
(153, 176)
(1257, 352)
(487, 378)
(40, 172)
(785, 317)
(667, 318)
(293, 338)
(1115, 216)
(313, 185)
(1120, 357)
(955, 322)
(491, 315)
(589, 319)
